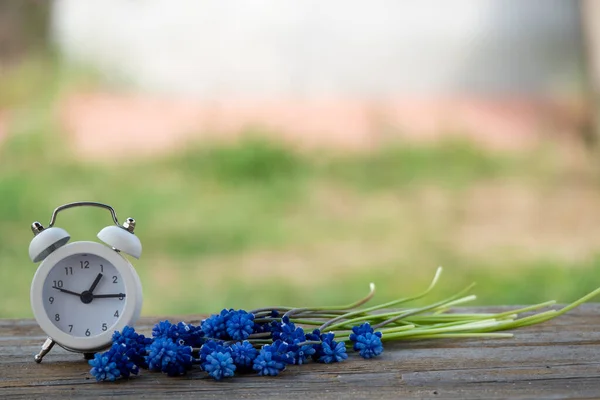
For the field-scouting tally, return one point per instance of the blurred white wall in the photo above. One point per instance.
(212, 49)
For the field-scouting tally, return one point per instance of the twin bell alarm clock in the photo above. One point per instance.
(84, 291)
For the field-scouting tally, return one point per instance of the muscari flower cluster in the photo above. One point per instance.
(228, 343)
(267, 340)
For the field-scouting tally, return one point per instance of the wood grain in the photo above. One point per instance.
(557, 359)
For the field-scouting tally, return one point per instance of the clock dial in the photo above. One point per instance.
(84, 295)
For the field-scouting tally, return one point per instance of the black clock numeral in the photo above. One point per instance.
(51, 300)
(69, 270)
(57, 317)
(70, 328)
(115, 280)
(84, 264)
(116, 314)
(104, 327)
(58, 283)
(101, 268)
(87, 332)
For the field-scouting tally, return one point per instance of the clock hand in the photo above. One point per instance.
(95, 283)
(106, 296)
(87, 296)
(66, 291)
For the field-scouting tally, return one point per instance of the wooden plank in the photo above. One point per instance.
(558, 359)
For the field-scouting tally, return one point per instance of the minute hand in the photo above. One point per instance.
(106, 296)
(66, 291)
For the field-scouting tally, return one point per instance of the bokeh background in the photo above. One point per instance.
(289, 153)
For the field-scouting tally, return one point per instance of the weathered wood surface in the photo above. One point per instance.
(557, 359)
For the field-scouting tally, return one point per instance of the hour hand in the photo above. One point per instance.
(95, 283)
(66, 291)
(106, 296)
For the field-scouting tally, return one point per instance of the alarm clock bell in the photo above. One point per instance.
(47, 240)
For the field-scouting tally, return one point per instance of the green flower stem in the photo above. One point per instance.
(385, 305)
(411, 316)
(315, 315)
(462, 324)
(417, 332)
(328, 313)
(426, 319)
(269, 309)
(349, 324)
(426, 308)
(308, 342)
(525, 321)
(335, 308)
(445, 307)
(264, 320)
(546, 315)
(402, 314)
(307, 322)
(568, 307)
(520, 310)
(440, 318)
(346, 332)
(458, 336)
(344, 336)
(260, 335)
(430, 319)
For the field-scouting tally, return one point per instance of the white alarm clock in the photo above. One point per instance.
(84, 291)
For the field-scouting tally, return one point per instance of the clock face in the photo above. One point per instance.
(84, 295)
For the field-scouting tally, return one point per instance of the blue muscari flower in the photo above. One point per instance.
(302, 353)
(211, 346)
(366, 341)
(104, 368)
(288, 332)
(327, 337)
(271, 360)
(315, 335)
(192, 335)
(360, 330)
(284, 351)
(219, 365)
(261, 327)
(214, 326)
(162, 329)
(266, 364)
(186, 334)
(169, 357)
(334, 352)
(368, 344)
(239, 324)
(293, 336)
(329, 350)
(136, 345)
(243, 354)
(112, 364)
(274, 327)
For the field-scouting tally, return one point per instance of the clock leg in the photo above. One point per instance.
(46, 347)
(88, 356)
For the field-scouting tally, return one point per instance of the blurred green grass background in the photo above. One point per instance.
(258, 223)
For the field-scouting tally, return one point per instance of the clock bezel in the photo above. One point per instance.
(131, 309)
